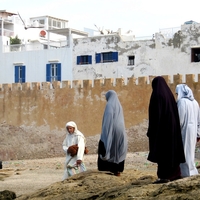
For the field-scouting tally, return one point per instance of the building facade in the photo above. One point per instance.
(45, 51)
(110, 56)
(50, 52)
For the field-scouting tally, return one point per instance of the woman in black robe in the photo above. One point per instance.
(165, 142)
(112, 147)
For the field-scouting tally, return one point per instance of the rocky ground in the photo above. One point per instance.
(30, 142)
(34, 166)
(40, 179)
(28, 176)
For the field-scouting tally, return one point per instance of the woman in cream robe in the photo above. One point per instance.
(189, 120)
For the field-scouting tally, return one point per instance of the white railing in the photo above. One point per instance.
(32, 47)
(166, 32)
(169, 32)
(144, 38)
(6, 32)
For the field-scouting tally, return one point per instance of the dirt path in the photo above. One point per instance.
(27, 176)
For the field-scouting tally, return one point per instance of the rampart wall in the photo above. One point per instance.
(53, 104)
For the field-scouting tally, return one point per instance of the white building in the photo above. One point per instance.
(169, 52)
(50, 52)
(45, 53)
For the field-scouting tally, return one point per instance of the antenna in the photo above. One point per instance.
(35, 25)
(22, 20)
(101, 31)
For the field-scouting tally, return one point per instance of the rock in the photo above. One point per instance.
(101, 185)
(7, 195)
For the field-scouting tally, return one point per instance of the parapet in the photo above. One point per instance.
(99, 83)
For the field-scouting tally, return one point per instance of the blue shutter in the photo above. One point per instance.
(78, 60)
(98, 57)
(48, 72)
(16, 74)
(23, 74)
(90, 59)
(115, 56)
(59, 71)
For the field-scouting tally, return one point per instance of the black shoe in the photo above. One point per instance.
(178, 177)
(159, 181)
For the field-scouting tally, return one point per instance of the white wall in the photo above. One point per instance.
(162, 56)
(159, 56)
(35, 62)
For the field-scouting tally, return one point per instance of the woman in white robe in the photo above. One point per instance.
(74, 163)
(189, 120)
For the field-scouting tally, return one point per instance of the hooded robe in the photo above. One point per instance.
(78, 138)
(189, 120)
(164, 133)
(112, 147)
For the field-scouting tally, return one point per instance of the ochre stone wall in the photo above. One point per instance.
(39, 104)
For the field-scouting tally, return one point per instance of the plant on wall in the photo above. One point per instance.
(15, 40)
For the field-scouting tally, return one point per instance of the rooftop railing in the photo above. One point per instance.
(6, 32)
(33, 47)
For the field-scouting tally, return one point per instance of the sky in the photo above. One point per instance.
(142, 17)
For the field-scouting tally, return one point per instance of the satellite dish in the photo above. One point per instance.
(34, 25)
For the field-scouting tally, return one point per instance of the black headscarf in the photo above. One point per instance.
(165, 142)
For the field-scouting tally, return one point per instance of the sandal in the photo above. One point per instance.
(117, 173)
(161, 181)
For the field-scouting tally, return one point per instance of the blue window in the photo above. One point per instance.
(84, 60)
(53, 72)
(20, 74)
(106, 57)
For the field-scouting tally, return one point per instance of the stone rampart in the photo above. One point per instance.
(54, 104)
